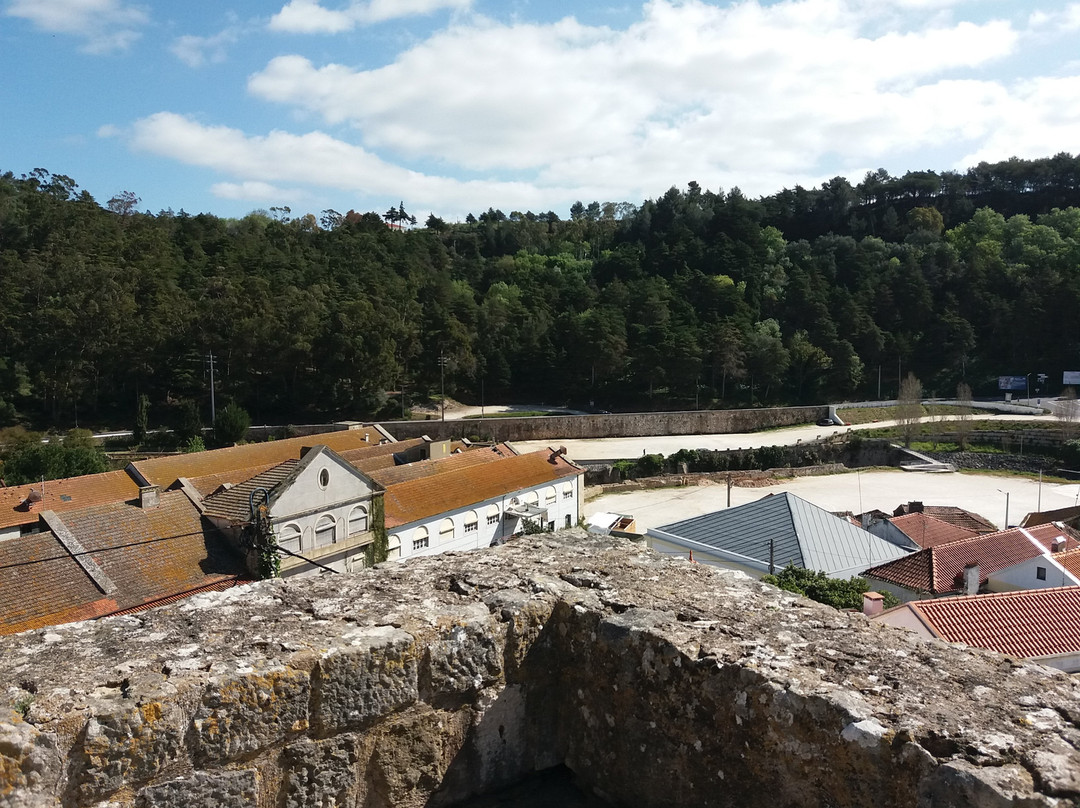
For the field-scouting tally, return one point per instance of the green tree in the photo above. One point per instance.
(231, 425)
(909, 409)
(142, 419)
(840, 593)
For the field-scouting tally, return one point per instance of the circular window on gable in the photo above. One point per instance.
(324, 478)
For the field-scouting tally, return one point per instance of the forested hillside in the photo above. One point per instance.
(696, 298)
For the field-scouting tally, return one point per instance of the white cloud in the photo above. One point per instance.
(252, 191)
(534, 116)
(313, 159)
(196, 51)
(105, 25)
(692, 89)
(310, 17)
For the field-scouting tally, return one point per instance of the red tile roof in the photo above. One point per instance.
(1028, 623)
(443, 465)
(929, 531)
(164, 471)
(939, 570)
(415, 500)
(65, 495)
(1070, 560)
(951, 514)
(148, 554)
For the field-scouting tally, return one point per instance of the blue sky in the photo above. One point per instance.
(455, 106)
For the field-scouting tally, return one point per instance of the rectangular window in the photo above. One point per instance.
(1040, 573)
(551, 526)
(567, 494)
(420, 544)
(493, 519)
(470, 527)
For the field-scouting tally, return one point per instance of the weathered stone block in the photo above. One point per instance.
(374, 675)
(29, 764)
(322, 773)
(242, 714)
(126, 745)
(226, 789)
(467, 655)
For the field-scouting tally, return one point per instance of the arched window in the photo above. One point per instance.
(493, 514)
(568, 491)
(472, 522)
(549, 495)
(532, 498)
(358, 520)
(325, 531)
(288, 537)
(420, 539)
(446, 530)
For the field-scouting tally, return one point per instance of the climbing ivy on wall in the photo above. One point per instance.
(379, 548)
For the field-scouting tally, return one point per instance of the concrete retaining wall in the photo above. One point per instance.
(617, 425)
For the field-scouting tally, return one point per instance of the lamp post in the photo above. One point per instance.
(442, 387)
(1006, 493)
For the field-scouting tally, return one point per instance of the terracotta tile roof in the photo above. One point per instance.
(423, 498)
(1043, 517)
(429, 468)
(147, 554)
(929, 531)
(1070, 560)
(234, 504)
(212, 482)
(939, 570)
(952, 515)
(1028, 623)
(381, 453)
(65, 495)
(164, 471)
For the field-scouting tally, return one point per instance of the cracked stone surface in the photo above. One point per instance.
(658, 682)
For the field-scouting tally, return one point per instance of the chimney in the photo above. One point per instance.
(865, 520)
(915, 507)
(1058, 544)
(971, 579)
(872, 603)
(555, 454)
(149, 496)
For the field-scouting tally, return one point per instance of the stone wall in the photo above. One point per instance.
(618, 425)
(658, 682)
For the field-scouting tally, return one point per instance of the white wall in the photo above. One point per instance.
(1025, 576)
(558, 511)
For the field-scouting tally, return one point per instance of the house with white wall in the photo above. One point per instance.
(478, 504)
(320, 509)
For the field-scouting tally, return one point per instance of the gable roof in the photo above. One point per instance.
(1036, 518)
(1026, 623)
(788, 528)
(939, 570)
(443, 465)
(381, 455)
(951, 514)
(164, 471)
(426, 497)
(234, 503)
(138, 556)
(929, 531)
(65, 495)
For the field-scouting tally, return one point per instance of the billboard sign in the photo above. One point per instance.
(1014, 383)
(1070, 377)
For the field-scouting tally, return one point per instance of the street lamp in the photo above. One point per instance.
(1006, 493)
(442, 387)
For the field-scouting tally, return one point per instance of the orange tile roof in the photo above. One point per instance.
(234, 504)
(443, 465)
(212, 482)
(423, 498)
(148, 554)
(65, 495)
(379, 452)
(164, 471)
(1070, 560)
(951, 514)
(1028, 623)
(929, 531)
(939, 570)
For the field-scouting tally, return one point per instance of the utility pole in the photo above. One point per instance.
(442, 386)
(213, 406)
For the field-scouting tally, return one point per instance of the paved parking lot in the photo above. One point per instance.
(855, 491)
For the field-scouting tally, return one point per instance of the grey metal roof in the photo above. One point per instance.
(799, 532)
